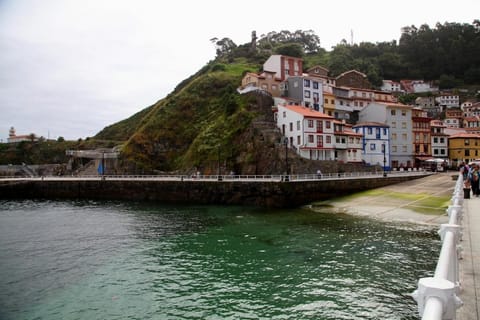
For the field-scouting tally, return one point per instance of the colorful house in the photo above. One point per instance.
(463, 147)
(375, 143)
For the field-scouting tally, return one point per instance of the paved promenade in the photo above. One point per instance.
(470, 264)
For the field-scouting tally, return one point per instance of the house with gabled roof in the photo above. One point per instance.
(322, 73)
(353, 79)
(265, 81)
(310, 133)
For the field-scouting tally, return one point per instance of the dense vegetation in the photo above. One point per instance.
(448, 52)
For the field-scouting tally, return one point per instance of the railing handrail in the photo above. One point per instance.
(226, 177)
(437, 296)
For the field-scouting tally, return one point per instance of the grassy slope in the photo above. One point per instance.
(191, 125)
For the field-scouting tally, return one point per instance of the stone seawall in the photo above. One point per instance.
(256, 193)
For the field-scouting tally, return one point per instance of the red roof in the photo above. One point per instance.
(307, 112)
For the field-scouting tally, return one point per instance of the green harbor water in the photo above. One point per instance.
(121, 260)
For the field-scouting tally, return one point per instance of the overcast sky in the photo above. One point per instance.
(71, 67)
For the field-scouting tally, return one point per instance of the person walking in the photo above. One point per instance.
(473, 176)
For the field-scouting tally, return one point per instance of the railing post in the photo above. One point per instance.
(436, 297)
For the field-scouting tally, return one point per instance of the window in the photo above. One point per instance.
(404, 125)
(394, 148)
(315, 97)
(394, 137)
(310, 138)
(326, 101)
(315, 85)
(467, 142)
(442, 151)
(284, 114)
(310, 123)
(404, 136)
(393, 112)
(298, 125)
(295, 84)
(417, 137)
(404, 149)
(369, 130)
(384, 131)
(307, 94)
(291, 126)
(435, 151)
(274, 87)
(327, 124)
(435, 140)
(467, 152)
(306, 83)
(404, 113)
(372, 146)
(394, 124)
(298, 140)
(332, 101)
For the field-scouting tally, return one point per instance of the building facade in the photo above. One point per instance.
(422, 140)
(310, 133)
(439, 139)
(375, 143)
(399, 119)
(284, 66)
(463, 147)
(307, 91)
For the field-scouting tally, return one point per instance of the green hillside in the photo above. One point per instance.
(194, 126)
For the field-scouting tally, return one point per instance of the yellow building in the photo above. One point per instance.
(329, 103)
(463, 147)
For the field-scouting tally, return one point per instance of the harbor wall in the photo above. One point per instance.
(255, 193)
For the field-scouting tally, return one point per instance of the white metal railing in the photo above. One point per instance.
(283, 177)
(437, 296)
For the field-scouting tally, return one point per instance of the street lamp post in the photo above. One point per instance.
(287, 171)
(384, 160)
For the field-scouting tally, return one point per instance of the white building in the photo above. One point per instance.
(448, 100)
(391, 86)
(348, 143)
(376, 143)
(309, 132)
(399, 118)
(439, 139)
